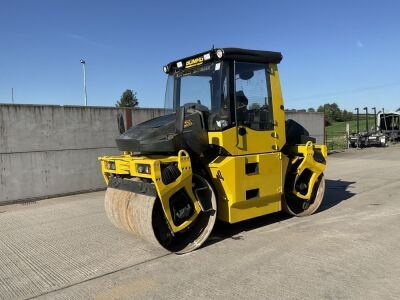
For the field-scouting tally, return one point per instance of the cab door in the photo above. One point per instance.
(250, 180)
(254, 102)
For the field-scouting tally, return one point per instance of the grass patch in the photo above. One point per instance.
(340, 127)
(336, 142)
(336, 132)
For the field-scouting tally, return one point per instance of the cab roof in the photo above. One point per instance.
(239, 54)
(252, 55)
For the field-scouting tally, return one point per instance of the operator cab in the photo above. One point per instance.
(232, 84)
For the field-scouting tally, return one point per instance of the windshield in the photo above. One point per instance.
(201, 85)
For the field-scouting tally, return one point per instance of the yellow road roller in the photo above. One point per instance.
(222, 150)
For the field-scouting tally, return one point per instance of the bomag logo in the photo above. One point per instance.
(194, 62)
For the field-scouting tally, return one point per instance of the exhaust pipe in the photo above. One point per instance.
(180, 119)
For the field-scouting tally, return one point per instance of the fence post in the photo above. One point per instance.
(347, 135)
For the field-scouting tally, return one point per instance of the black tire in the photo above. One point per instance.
(197, 233)
(298, 207)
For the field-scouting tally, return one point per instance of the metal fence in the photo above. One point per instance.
(336, 141)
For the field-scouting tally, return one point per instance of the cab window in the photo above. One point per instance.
(253, 102)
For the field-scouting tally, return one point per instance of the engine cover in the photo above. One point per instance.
(159, 135)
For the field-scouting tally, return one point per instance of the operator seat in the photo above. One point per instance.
(241, 105)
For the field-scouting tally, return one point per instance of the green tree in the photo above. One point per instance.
(332, 112)
(311, 109)
(346, 115)
(398, 109)
(128, 99)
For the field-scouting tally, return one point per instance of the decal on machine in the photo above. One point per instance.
(219, 175)
(194, 62)
(187, 123)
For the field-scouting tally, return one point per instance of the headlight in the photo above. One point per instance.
(110, 165)
(165, 69)
(143, 168)
(219, 53)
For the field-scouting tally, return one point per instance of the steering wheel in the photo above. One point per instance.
(196, 105)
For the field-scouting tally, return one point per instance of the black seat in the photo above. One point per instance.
(241, 105)
(241, 99)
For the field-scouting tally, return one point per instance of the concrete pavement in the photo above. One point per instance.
(65, 248)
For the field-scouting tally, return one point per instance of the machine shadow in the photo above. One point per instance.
(336, 191)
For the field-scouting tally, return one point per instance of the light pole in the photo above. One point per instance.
(84, 79)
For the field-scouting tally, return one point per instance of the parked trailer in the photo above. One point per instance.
(389, 124)
(374, 137)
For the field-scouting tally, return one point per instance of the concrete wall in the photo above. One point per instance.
(140, 115)
(313, 122)
(53, 150)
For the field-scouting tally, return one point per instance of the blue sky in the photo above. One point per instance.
(342, 51)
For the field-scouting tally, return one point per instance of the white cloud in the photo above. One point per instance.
(76, 36)
(83, 39)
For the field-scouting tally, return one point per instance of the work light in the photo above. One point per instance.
(110, 165)
(143, 168)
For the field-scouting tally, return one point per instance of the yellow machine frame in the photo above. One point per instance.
(127, 165)
(241, 194)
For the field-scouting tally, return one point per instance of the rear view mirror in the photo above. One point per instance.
(121, 123)
(246, 75)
